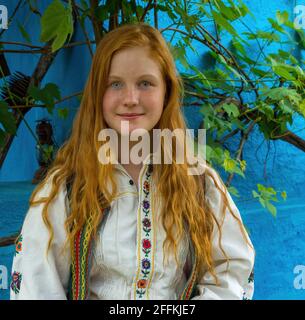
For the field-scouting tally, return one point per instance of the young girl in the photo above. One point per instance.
(130, 230)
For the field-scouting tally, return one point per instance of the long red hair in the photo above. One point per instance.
(182, 195)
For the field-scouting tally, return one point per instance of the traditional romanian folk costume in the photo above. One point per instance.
(125, 261)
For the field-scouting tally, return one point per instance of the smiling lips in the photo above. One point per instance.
(130, 116)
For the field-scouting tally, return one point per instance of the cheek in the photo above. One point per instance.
(109, 103)
(155, 102)
(108, 109)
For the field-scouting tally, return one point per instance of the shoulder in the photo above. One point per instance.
(57, 204)
(214, 185)
(210, 178)
(45, 188)
(216, 194)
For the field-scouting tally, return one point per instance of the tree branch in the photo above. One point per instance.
(8, 241)
(156, 14)
(145, 11)
(243, 140)
(76, 12)
(293, 139)
(43, 105)
(97, 25)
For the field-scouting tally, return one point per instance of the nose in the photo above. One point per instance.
(131, 97)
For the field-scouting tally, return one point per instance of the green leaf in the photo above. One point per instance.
(57, 24)
(283, 72)
(271, 208)
(271, 36)
(24, 33)
(237, 45)
(229, 165)
(84, 4)
(179, 53)
(63, 113)
(46, 95)
(2, 137)
(282, 69)
(102, 12)
(52, 90)
(222, 22)
(7, 119)
(255, 194)
(282, 17)
(201, 76)
(300, 37)
(281, 93)
(276, 26)
(233, 191)
(258, 72)
(227, 12)
(231, 109)
(301, 108)
(265, 196)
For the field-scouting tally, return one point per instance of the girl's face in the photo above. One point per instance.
(135, 91)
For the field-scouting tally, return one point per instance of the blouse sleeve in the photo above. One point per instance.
(35, 275)
(236, 282)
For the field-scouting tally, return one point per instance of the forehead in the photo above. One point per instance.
(134, 61)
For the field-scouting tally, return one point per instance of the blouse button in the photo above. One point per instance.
(131, 182)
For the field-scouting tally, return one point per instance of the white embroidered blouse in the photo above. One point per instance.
(128, 255)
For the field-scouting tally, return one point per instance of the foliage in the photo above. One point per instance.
(247, 79)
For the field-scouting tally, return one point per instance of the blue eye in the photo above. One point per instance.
(116, 85)
(146, 84)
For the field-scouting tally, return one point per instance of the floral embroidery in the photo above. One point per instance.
(16, 281)
(146, 223)
(141, 284)
(18, 247)
(146, 226)
(145, 267)
(146, 187)
(146, 207)
(146, 244)
(145, 264)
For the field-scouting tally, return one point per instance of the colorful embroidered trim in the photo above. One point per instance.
(145, 246)
(16, 282)
(18, 247)
(81, 260)
(190, 286)
(82, 256)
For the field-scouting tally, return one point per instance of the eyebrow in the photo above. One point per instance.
(142, 76)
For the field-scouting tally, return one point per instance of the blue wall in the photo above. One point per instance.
(279, 242)
(68, 71)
